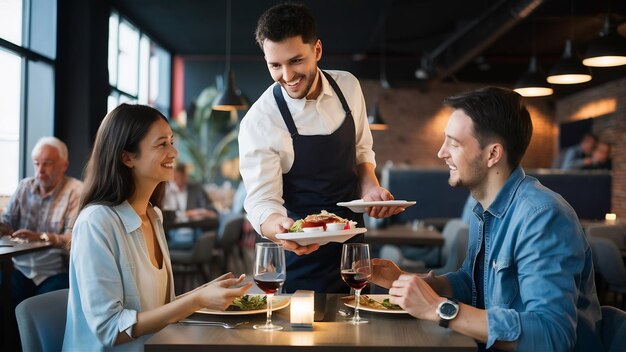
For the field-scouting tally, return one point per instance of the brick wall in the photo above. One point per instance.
(607, 104)
(417, 119)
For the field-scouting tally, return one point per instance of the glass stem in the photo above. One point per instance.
(268, 321)
(357, 299)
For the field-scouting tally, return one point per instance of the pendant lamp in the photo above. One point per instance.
(569, 70)
(533, 82)
(230, 98)
(375, 120)
(608, 50)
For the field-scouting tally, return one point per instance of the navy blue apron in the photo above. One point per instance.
(323, 173)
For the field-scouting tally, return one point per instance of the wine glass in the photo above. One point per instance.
(356, 270)
(269, 275)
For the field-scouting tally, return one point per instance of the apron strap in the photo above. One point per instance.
(342, 99)
(284, 111)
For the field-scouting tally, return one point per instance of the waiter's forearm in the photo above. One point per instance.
(367, 177)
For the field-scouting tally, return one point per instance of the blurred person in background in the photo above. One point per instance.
(579, 155)
(600, 158)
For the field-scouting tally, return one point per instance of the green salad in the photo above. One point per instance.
(390, 305)
(247, 302)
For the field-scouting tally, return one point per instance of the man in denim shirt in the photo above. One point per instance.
(527, 282)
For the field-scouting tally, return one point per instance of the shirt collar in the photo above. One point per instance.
(34, 188)
(505, 196)
(297, 105)
(130, 218)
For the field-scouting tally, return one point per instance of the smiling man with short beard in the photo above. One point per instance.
(304, 146)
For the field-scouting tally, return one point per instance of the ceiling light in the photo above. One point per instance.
(230, 98)
(569, 70)
(376, 121)
(533, 82)
(608, 50)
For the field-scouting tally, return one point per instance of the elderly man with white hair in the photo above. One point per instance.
(43, 208)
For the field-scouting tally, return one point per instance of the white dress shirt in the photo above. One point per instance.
(265, 144)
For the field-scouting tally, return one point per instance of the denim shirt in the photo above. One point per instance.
(104, 298)
(539, 282)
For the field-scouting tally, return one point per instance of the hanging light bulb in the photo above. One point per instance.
(375, 120)
(608, 50)
(533, 82)
(569, 70)
(230, 98)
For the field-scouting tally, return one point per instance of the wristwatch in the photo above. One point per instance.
(447, 310)
(44, 237)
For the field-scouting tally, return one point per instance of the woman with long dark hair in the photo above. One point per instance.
(121, 283)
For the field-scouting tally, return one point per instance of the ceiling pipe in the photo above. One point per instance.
(467, 42)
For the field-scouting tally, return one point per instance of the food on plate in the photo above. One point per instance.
(248, 302)
(372, 303)
(321, 220)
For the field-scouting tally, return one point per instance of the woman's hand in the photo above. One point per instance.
(219, 293)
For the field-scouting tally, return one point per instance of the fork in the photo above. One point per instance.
(212, 323)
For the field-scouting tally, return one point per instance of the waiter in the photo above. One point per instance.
(304, 146)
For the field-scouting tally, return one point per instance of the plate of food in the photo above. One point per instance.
(359, 205)
(249, 304)
(321, 228)
(375, 303)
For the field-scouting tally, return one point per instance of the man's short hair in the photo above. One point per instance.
(285, 21)
(498, 115)
(53, 142)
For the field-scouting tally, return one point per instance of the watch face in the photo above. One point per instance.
(447, 309)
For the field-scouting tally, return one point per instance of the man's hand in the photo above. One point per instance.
(24, 234)
(384, 272)
(415, 296)
(377, 194)
(200, 213)
(277, 223)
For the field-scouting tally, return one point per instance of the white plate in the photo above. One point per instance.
(322, 237)
(359, 205)
(379, 298)
(279, 302)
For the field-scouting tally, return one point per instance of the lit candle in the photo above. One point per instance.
(302, 309)
(610, 218)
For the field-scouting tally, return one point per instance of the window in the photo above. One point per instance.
(27, 54)
(139, 69)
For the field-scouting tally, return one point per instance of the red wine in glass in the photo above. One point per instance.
(268, 284)
(356, 269)
(269, 274)
(355, 279)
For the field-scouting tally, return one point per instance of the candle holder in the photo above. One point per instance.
(302, 309)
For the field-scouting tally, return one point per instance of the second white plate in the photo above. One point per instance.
(359, 205)
(379, 298)
(279, 302)
(321, 237)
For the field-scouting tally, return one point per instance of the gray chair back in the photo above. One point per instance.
(41, 321)
(608, 262)
(456, 234)
(615, 233)
(201, 251)
(613, 329)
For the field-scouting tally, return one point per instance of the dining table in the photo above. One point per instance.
(385, 331)
(8, 250)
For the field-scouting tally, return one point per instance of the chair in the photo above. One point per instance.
(608, 264)
(613, 329)
(41, 321)
(456, 235)
(615, 233)
(192, 262)
(229, 233)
